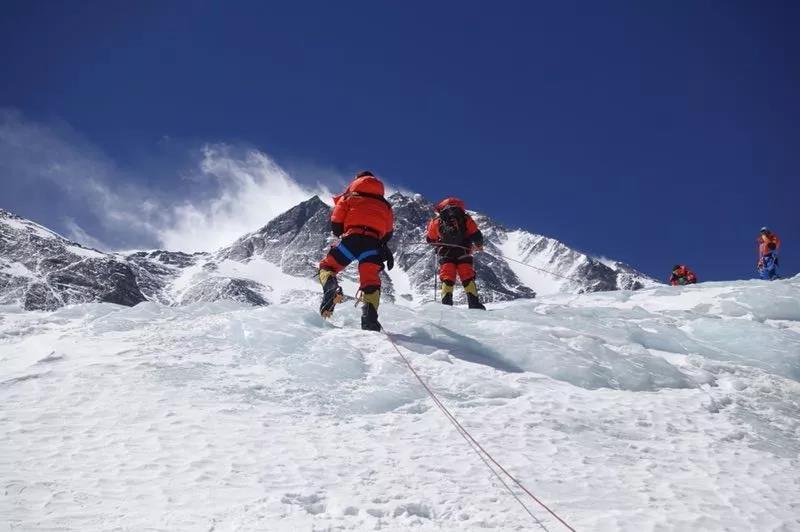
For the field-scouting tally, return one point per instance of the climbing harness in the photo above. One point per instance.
(347, 253)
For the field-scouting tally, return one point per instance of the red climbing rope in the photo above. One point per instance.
(477, 447)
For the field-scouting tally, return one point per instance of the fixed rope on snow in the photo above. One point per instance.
(482, 453)
(466, 436)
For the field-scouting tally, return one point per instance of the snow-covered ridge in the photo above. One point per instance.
(277, 262)
(25, 226)
(40, 269)
(665, 409)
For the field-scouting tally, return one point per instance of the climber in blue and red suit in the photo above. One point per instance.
(363, 220)
(455, 235)
(768, 244)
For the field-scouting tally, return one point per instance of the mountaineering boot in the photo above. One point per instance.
(447, 293)
(369, 312)
(331, 293)
(472, 295)
(474, 302)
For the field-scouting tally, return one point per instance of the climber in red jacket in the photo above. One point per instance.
(455, 235)
(363, 220)
(682, 275)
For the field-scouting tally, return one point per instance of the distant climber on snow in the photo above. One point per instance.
(363, 220)
(455, 235)
(768, 244)
(681, 275)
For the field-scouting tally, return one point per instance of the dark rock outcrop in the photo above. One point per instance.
(41, 270)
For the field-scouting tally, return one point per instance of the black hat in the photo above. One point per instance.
(676, 267)
(365, 173)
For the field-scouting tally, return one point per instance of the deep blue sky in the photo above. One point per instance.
(651, 132)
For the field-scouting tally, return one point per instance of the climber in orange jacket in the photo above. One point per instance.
(455, 235)
(682, 275)
(768, 244)
(363, 220)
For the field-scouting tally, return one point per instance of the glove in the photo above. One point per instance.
(387, 257)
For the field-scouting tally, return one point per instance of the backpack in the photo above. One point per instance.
(452, 226)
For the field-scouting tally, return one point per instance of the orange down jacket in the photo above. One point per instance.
(764, 240)
(362, 209)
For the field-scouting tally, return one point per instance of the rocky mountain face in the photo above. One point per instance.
(293, 241)
(41, 270)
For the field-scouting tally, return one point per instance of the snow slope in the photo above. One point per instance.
(657, 410)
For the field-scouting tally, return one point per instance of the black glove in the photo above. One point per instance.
(387, 257)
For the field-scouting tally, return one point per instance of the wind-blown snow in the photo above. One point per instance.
(664, 409)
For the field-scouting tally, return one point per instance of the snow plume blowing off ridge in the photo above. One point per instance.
(225, 190)
(251, 190)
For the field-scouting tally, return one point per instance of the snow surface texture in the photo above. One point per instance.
(658, 410)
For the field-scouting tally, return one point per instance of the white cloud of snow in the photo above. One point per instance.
(250, 190)
(230, 190)
(76, 233)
